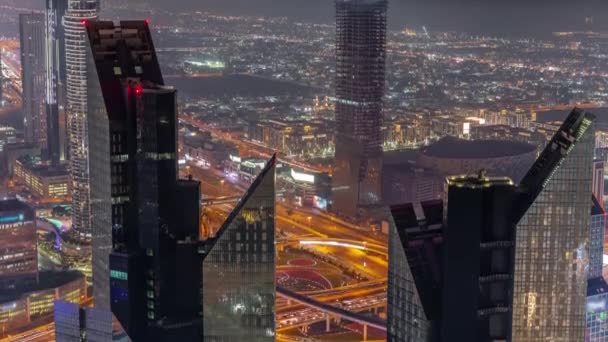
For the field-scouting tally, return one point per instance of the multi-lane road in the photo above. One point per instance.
(332, 236)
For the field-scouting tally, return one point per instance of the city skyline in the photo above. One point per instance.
(332, 170)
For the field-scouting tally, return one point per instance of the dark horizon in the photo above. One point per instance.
(491, 17)
(480, 17)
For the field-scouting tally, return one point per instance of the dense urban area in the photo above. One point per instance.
(310, 184)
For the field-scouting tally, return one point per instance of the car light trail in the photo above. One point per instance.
(331, 243)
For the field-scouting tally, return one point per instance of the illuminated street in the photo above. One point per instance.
(358, 252)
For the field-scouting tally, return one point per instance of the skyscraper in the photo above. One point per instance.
(78, 13)
(359, 83)
(32, 38)
(461, 265)
(150, 219)
(550, 283)
(597, 288)
(524, 247)
(55, 80)
(238, 290)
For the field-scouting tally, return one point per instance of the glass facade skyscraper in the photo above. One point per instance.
(360, 68)
(149, 235)
(450, 274)
(100, 176)
(55, 80)
(161, 277)
(550, 283)
(78, 13)
(32, 38)
(238, 288)
(526, 246)
(407, 318)
(597, 288)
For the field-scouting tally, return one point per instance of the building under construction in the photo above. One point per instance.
(360, 67)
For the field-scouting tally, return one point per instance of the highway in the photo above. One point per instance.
(354, 247)
(249, 147)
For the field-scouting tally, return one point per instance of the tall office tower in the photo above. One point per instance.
(551, 247)
(598, 179)
(238, 289)
(528, 240)
(32, 38)
(597, 288)
(19, 262)
(153, 219)
(55, 80)
(360, 66)
(440, 263)
(78, 13)
(478, 259)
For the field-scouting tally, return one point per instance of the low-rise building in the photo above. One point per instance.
(23, 306)
(44, 181)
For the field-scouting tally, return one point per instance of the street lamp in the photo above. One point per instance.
(309, 218)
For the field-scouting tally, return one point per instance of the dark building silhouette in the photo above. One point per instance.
(55, 80)
(360, 67)
(165, 284)
(139, 208)
(480, 271)
(32, 39)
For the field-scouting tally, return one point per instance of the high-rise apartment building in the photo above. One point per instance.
(19, 262)
(359, 84)
(55, 80)
(78, 13)
(238, 289)
(525, 247)
(32, 39)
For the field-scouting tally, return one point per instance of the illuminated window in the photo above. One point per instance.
(118, 275)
